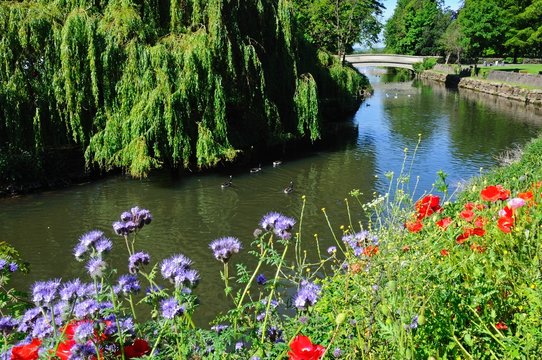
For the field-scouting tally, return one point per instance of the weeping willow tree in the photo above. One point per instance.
(141, 84)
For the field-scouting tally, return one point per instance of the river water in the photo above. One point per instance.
(461, 133)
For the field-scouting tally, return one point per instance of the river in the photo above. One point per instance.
(460, 133)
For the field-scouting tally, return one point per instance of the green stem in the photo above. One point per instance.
(332, 232)
(272, 292)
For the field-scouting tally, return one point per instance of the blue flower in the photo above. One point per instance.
(7, 325)
(413, 323)
(219, 328)
(171, 308)
(103, 245)
(177, 270)
(307, 295)
(331, 250)
(132, 221)
(71, 290)
(86, 308)
(337, 352)
(127, 284)
(82, 351)
(28, 319)
(44, 292)
(42, 328)
(84, 332)
(225, 247)
(260, 279)
(96, 267)
(90, 238)
(136, 260)
(280, 224)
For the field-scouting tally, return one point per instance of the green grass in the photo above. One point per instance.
(528, 68)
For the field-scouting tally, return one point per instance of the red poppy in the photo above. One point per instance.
(480, 222)
(444, 252)
(27, 351)
(427, 206)
(473, 206)
(467, 215)
(444, 223)
(138, 348)
(468, 233)
(505, 223)
(414, 226)
(501, 326)
(370, 250)
(303, 349)
(494, 192)
(64, 349)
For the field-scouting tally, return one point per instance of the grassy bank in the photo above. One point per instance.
(440, 276)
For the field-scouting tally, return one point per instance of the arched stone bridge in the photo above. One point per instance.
(385, 60)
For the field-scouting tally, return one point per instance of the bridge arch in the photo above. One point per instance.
(385, 60)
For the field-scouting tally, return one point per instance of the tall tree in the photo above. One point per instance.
(483, 24)
(450, 41)
(526, 31)
(336, 25)
(416, 26)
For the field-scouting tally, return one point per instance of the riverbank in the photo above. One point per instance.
(531, 96)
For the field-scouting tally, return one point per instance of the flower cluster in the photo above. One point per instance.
(307, 295)
(362, 243)
(281, 225)
(131, 221)
(177, 270)
(8, 266)
(225, 247)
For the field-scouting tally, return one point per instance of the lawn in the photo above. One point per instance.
(528, 68)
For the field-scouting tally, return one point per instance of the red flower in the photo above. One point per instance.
(477, 248)
(444, 252)
(480, 222)
(527, 196)
(444, 223)
(27, 351)
(494, 192)
(468, 233)
(414, 226)
(501, 326)
(370, 250)
(304, 349)
(64, 349)
(139, 348)
(473, 206)
(427, 206)
(505, 223)
(467, 215)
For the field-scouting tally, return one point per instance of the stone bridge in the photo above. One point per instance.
(385, 60)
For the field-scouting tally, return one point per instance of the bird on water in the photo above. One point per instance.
(277, 163)
(227, 183)
(256, 170)
(289, 188)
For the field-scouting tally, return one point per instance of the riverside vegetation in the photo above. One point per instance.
(142, 84)
(437, 276)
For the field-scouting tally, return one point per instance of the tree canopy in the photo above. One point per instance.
(140, 84)
(336, 25)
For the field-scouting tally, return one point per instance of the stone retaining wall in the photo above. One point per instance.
(527, 96)
(518, 78)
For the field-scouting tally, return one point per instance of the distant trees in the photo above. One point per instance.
(336, 25)
(416, 26)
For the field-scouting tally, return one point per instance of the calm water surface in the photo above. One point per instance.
(460, 134)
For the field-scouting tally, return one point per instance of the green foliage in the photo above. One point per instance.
(415, 27)
(426, 64)
(145, 84)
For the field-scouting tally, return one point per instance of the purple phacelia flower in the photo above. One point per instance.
(7, 325)
(219, 328)
(103, 246)
(96, 267)
(3, 264)
(280, 224)
(120, 228)
(260, 279)
(90, 238)
(132, 221)
(171, 308)
(127, 284)
(70, 290)
(307, 295)
(239, 346)
(86, 308)
(84, 332)
(413, 323)
(45, 292)
(82, 351)
(136, 260)
(126, 216)
(331, 250)
(274, 334)
(337, 353)
(26, 323)
(42, 328)
(225, 247)
(177, 270)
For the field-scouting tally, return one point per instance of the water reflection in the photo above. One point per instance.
(459, 135)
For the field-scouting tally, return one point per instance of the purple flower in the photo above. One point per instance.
(127, 284)
(225, 247)
(7, 325)
(337, 353)
(413, 324)
(359, 241)
(136, 260)
(331, 250)
(28, 319)
(44, 292)
(103, 246)
(260, 317)
(177, 270)
(171, 308)
(3, 264)
(260, 279)
(82, 351)
(70, 290)
(90, 238)
(307, 295)
(132, 221)
(219, 328)
(86, 308)
(42, 328)
(239, 346)
(13, 267)
(275, 334)
(84, 332)
(280, 224)
(96, 267)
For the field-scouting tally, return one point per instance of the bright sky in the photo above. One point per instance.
(390, 6)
